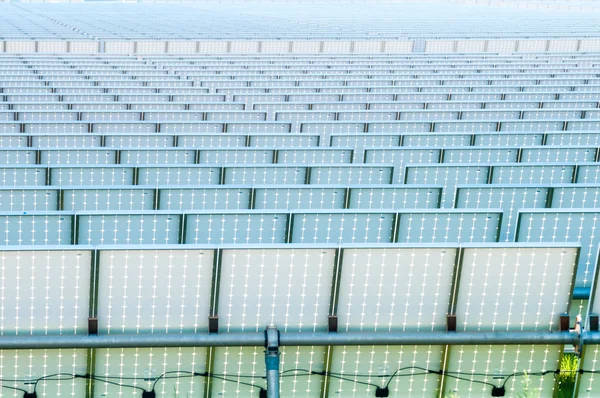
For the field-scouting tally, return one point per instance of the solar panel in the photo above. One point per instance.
(208, 185)
(511, 302)
(510, 198)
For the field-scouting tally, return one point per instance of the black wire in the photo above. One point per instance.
(471, 380)
(113, 383)
(185, 374)
(301, 375)
(68, 376)
(364, 383)
(386, 375)
(519, 374)
(14, 388)
(286, 373)
(407, 375)
(236, 381)
(400, 370)
(296, 370)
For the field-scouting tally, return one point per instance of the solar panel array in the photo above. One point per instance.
(386, 190)
(389, 192)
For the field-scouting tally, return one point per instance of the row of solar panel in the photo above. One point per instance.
(423, 195)
(412, 96)
(283, 105)
(351, 226)
(566, 62)
(560, 74)
(250, 58)
(403, 92)
(279, 86)
(299, 115)
(509, 197)
(576, 70)
(331, 85)
(492, 76)
(320, 80)
(251, 61)
(122, 175)
(187, 274)
(251, 227)
(396, 62)
(358, 141)
(238, 372)
(137, 264)
(459, 70)
(314, 126)
(396, 156)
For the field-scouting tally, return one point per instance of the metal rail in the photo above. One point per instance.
(257, 339)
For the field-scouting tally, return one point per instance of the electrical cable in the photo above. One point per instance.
(185, 373)
(50, 378)
(14, 388)
(470, 380)
(113, 383)
(298, 372)
(355, 381)
(236, 381)
(518, 374)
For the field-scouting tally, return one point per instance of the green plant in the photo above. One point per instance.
(569, 365)
(528, 390)
(452, 395)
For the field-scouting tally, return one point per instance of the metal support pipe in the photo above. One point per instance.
(133, 340)
(257, 339)
(582, 293)
(429, 338)
(272, 361)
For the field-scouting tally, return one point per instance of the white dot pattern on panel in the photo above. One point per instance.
(395, 289)
(566, 227)
(379, 362)
(589, 381)
(33, 302)
(235, 364)
(514, 288)
(286, 287)
(158, 291)
(501, 361)
(140, 367)
(33, 364)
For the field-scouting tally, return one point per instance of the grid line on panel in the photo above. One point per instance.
(516, 273)
(32, 303)
(155, 291)
(286, 287)
(564, 227)
(399, 280)
(144, 368)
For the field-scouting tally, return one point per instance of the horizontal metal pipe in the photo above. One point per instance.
(428, 338)
(590, 337)
(581, 293)
(134, 340)
(256, 339)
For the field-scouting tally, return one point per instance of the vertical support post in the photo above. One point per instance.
(92, 321)
(272, 360)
